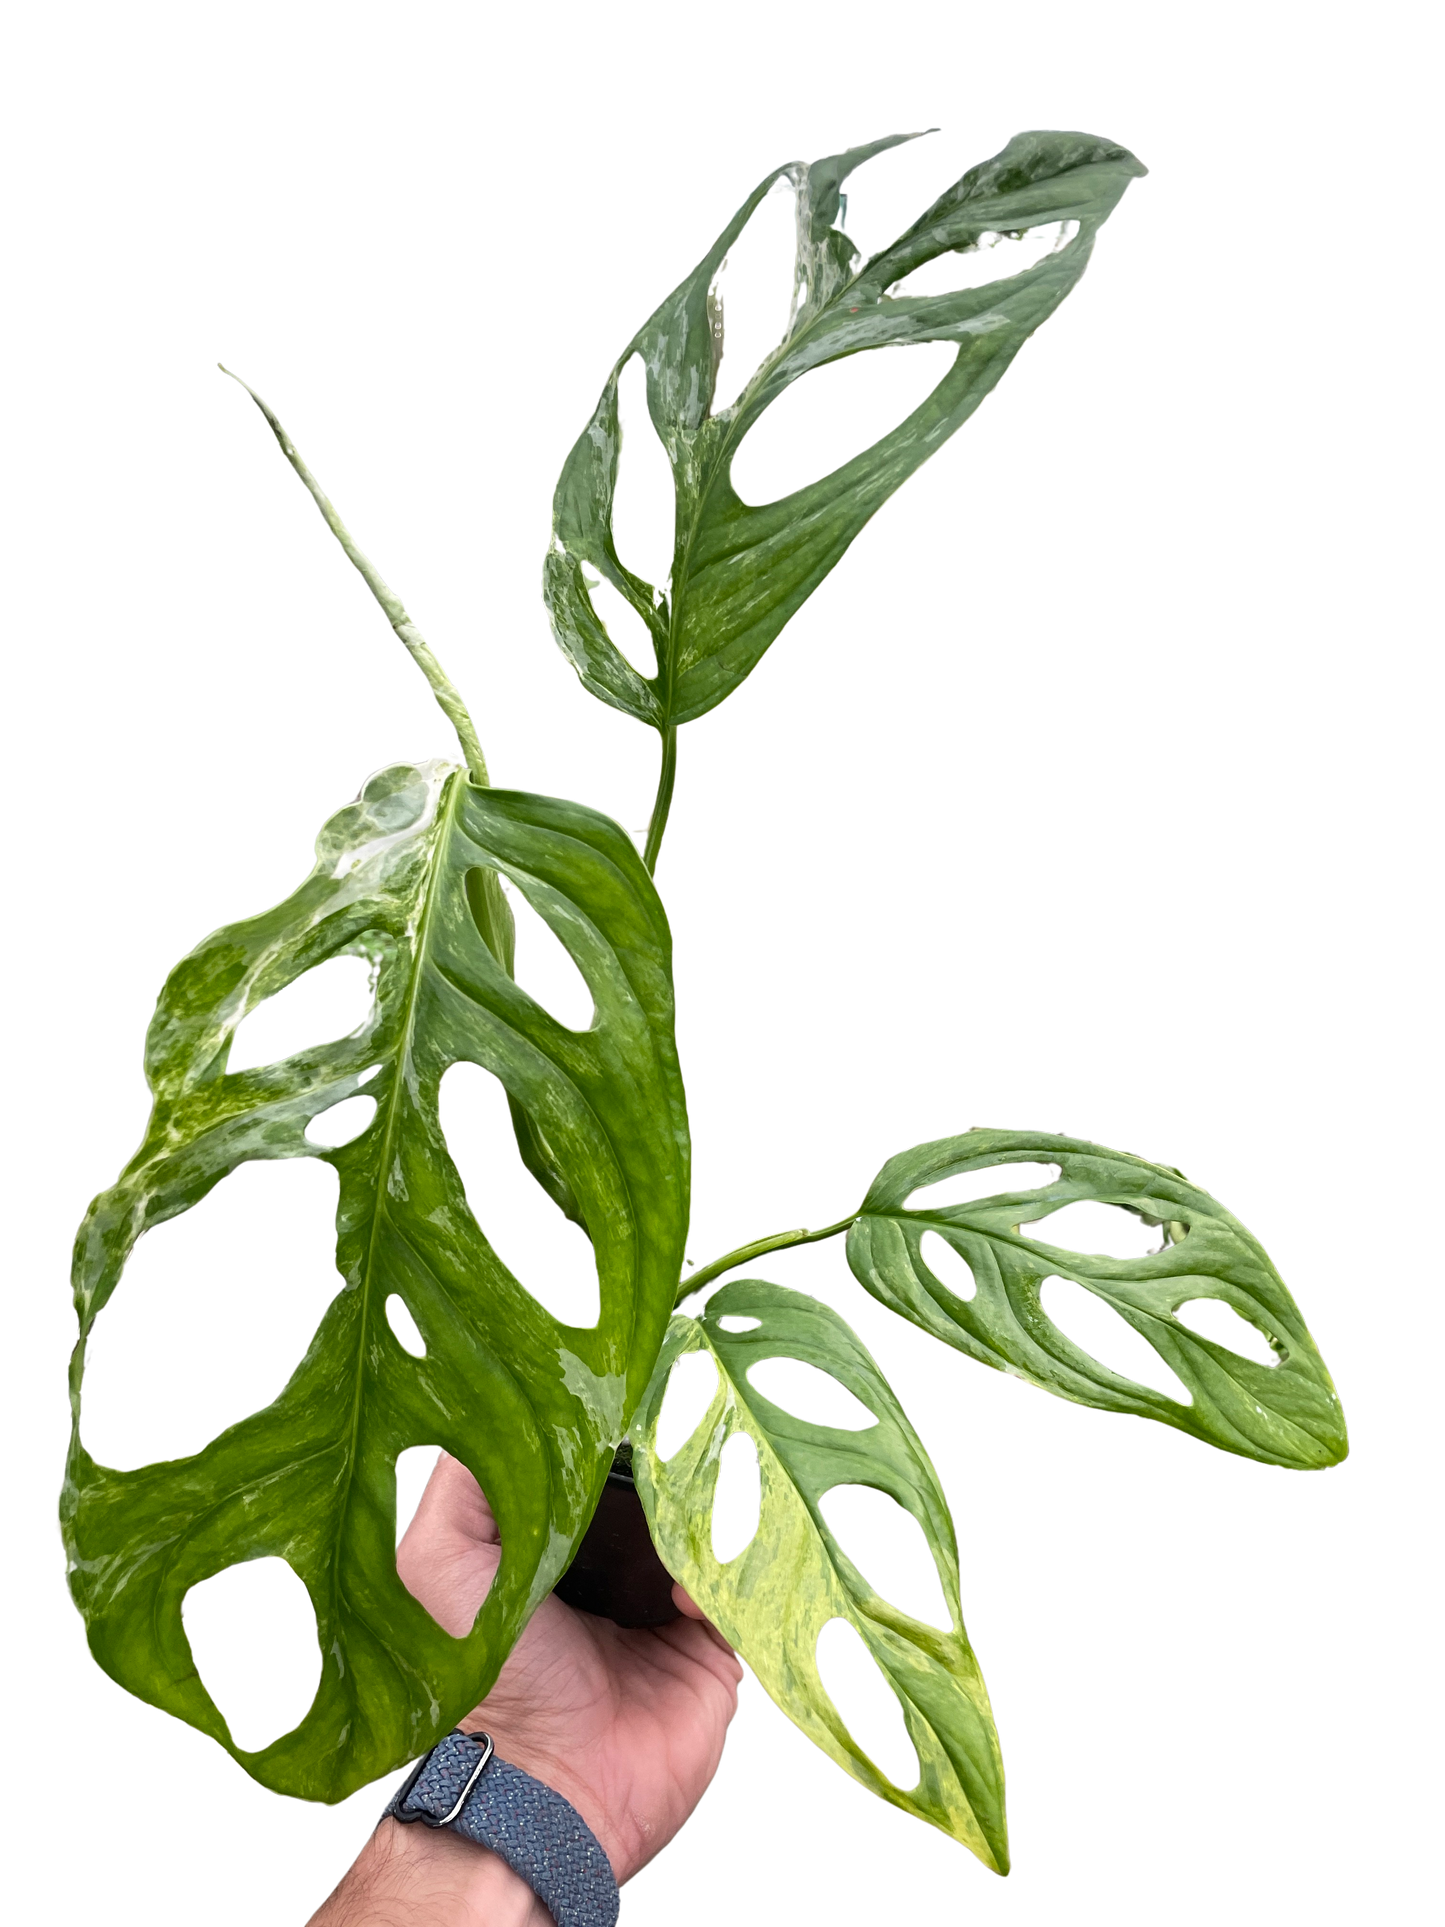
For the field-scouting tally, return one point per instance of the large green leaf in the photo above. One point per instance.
(1285, 1414)
(408, 877)
(774, 1599)
(739, 572)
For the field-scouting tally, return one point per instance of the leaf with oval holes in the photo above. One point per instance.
(739, 572)
(775, 1597)
(1285, 1414)
(407, 877)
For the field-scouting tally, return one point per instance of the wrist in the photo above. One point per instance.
(559, 1773)
(415, 1877)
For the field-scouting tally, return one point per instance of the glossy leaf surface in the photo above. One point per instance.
(408, 877)
(739, 572)
(1285, 1414)
(774, 1599)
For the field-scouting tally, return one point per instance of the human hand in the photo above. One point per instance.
(626, 1723)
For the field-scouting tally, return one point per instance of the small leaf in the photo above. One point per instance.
(1285, 1414)
(739, 572)
(774, 1599)
(407, 878)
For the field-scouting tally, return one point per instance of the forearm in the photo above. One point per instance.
(414, 1877)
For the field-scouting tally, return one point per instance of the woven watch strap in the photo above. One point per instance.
(541, 1836)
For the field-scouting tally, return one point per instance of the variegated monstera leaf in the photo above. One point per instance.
(739, 571)
(775, 1597)
(408, 877)
(1285, 1413)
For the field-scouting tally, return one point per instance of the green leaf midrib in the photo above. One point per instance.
(401, 1057)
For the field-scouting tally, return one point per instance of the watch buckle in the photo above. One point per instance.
(398, 1810)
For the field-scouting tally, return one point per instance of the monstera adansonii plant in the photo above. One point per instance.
(409, 877)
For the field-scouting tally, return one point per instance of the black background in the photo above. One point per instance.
(1031, 818)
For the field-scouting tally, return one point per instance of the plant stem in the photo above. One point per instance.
(443, 688)
(780, 1241)
(662, 802)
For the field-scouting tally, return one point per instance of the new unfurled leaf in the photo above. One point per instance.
(775, 1597)
(1286, 1413)
(739, 572)
(407, 877)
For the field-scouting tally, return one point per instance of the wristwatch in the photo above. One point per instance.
(464, 1785)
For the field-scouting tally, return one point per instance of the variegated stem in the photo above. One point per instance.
(443, 688)
(779, 1241)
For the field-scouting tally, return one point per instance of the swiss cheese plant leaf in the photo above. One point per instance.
(774, 1599)
(739, 571)
(1285, 1413)
(408, 877)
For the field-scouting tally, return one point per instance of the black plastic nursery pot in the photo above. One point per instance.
(617, 1574)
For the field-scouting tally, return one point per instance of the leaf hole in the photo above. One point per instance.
(548, 972)
(995, 257)
(1211, 1318)
(628, 633)
(888, 1546)
(883, 199)
(832, 414)
(738, 1499)
(1099, 1230)
(691, 1388)
(948, 1265)
(455, 1604)
(548, 1255)
(643, 508)
(866, 1703)
(414, 1467)
(342, 1123)
(751, 297)
(330, 1001)
(812, 1395)
(1096, 1328)
(213, 1314)
(735, 1322)
(970, 1187)
(252, 1632)
(404, 1327)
